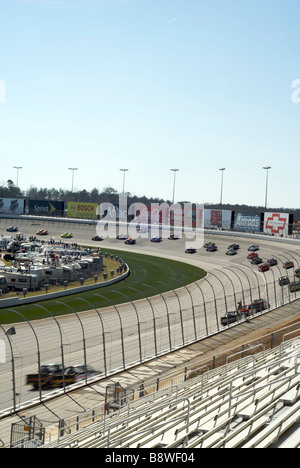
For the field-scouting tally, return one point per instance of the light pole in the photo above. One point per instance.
(174, 170)
(72, 169)
(18, 168)
(124, 170)
(222, 169)
(267, 180)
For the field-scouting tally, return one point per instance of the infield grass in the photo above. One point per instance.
(147, 273)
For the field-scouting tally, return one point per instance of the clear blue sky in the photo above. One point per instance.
(149, 86)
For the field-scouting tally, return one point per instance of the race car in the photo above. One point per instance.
(156, 239)
(253, 247)
(258, 305)
(252, 255)
(72, 375)
(97, 238)
(130, 241)
(283, 281)
(243, 312)
(52, 375)
(272, 262)
(45, 377)
(264, 267)
(233, 246)
(12, 229)
(231, 252)
(190, 250)
(208, 244)
(288, 264)
(66, 235)
(173, 237)
(42, 232)
(212, 248)
(256, 261)
(295, 286)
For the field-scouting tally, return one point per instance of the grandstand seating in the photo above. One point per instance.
(253, 402)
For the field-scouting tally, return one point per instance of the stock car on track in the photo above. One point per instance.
(73, 374)
(252, 255)
(256, 261)
(294, 286)
(244, 311)
(130, 241)
(212, 248)
(264, 267)
(173, 237)
(66, 235)
(288, 264)
(253, 247)
(97, 238)
(42, 232)
(12, 229)
(258, 305)
(272, 262)
(283, 281)
(231, 252)
(233, 246)
(190, 250)
(156, 239)
(52, 375)
(208, 244)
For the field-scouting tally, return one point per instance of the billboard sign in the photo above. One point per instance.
(12, 205)
(247, 222)
(217, 219)
(276, 223)
(82, 210)
(45, 208)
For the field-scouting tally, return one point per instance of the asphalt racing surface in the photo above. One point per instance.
(182, 330)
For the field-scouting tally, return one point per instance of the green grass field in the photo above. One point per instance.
(146, 273)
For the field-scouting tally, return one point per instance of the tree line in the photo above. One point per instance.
(111, 195)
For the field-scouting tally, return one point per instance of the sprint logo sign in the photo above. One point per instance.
(2, 352)
(45, 208)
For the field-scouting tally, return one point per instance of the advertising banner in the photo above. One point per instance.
(12, 206)
(276, 223)
(217, 219)
(45, 208)
(247, 222)
(82, 210)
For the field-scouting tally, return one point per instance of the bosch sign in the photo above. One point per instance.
(82, 210)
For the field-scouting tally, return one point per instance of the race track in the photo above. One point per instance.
(124, 336)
